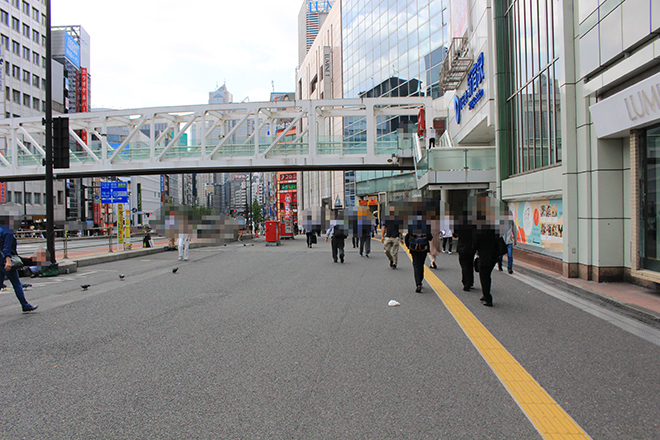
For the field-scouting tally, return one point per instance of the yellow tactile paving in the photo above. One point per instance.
(549, 419)
(546, 415)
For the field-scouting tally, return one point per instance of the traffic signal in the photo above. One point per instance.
(60, 142)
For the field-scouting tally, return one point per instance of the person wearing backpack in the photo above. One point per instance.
(418, 240)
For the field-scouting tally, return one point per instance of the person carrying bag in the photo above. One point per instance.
(12, 263)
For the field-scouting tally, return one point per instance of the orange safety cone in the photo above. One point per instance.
(257, 234)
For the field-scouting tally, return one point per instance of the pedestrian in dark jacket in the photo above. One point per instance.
(486, 246)
(337, 235)
(466, 234)
(418, 240)
(8, 246)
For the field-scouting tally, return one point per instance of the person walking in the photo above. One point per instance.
(511, 240)
(391, 238)
(337, 237)
(430, 133)
(486, 246)
(446, 239)
(366, 231)
(418, 240)
(184, 246)
(465, 233)
(8, 246)
(311, 238)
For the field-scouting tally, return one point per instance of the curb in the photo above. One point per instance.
(632, 311)
(72, 264)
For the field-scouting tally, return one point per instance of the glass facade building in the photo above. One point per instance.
(391, 48)
(533, 100)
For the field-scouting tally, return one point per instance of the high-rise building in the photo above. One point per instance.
(310, 19)
(71, 49)
(23, 77)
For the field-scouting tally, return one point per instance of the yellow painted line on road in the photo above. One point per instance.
(551, 421)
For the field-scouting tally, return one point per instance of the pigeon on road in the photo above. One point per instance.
(84, 286)
(27, 286)
(175, 269)
(121, 276)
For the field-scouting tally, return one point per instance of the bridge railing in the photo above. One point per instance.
(457, 159)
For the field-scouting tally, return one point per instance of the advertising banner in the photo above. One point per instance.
(97, 212)
(71, 49)
(84, 105)
(539, 223)
(127, 233)
(120, 223)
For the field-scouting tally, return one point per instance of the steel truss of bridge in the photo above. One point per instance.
(258, 136)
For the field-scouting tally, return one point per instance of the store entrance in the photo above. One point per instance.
(651, 201)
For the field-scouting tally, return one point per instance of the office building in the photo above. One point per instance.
(23, 53)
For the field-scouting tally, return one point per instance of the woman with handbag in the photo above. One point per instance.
(12, 263)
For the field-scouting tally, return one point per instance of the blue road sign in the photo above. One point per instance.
(114, 192)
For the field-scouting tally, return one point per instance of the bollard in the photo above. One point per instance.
(66, 244)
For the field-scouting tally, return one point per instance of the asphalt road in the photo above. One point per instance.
(256, 342)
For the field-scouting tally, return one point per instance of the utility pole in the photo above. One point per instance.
(50, 208)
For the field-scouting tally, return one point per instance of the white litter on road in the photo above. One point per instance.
(393, 303)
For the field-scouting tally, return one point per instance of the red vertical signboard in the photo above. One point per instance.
(84, 105)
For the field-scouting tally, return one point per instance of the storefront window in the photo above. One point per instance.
(651, 201)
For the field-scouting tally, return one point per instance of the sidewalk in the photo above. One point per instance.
(634, 301)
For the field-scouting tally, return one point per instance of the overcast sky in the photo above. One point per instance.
(148, 53)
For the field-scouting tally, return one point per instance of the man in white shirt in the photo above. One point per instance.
(430, 133)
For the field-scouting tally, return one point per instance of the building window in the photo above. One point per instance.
(43, 83)
(35, 103)
(43, 40)
(16, 96)
(60, 197)
(533, 104)
(35, 14)
(27, 100)
(15, 24)
(7, 94)
(26, 76)
(37, 198)
(5, 42)
(7, 69)
(26, 30)
(16, 72)
(35, 58)
(35, 81)
(26, 53)
(8, 196)
(35, 36)
(26, 8)
(28, 198)
(18, 197)
(16, 47)
(43, 62)
(15, 3)
(43, 19)
(4, 17)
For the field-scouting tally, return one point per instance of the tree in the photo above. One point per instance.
(257, 212)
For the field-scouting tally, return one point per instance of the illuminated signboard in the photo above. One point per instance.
(473, 93)
(288, 176)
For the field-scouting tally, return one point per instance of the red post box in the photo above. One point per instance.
(272, 233)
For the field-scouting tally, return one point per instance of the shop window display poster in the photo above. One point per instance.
(539, 222)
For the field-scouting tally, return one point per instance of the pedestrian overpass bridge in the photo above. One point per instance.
(258, 136)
